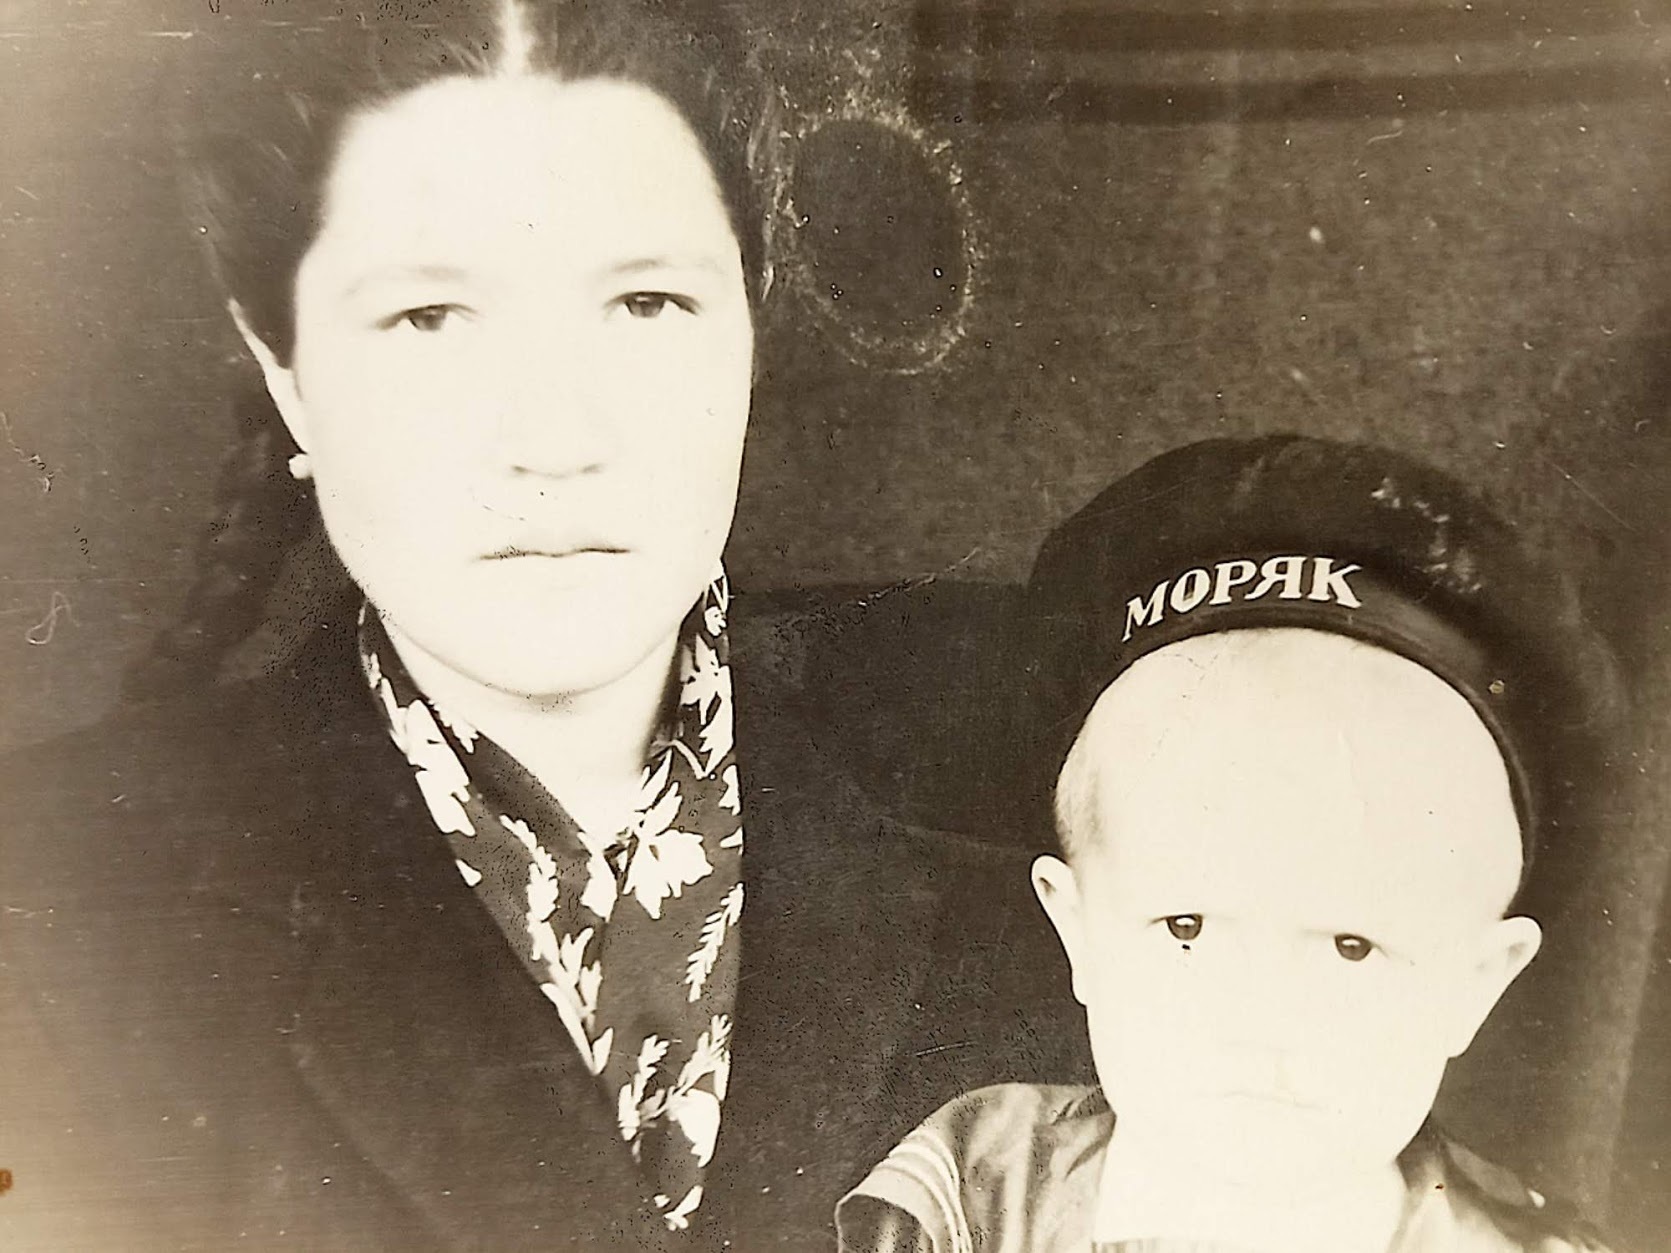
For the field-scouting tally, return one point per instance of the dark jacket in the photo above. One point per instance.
(249, 1002)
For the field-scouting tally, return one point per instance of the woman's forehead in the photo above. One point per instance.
(509, 168)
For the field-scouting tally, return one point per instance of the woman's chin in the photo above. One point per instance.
(550, 642)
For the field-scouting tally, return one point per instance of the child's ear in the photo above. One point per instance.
(1058, 891)
(1505, 949)
(281, 380)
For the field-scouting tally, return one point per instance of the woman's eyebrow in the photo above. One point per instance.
(641, 265)
(404, 273)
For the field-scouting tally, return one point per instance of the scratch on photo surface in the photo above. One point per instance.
(28, 458)
(1588, 495)
(1303, 381)
(920, 580)
(43, 631)
(841, 614)
(61, 28)
(942, 1048)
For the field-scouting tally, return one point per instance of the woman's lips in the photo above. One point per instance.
(551, 553)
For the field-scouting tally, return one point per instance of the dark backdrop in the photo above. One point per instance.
(1032, 244)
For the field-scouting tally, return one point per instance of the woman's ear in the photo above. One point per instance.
(281, 380)
(1058, 891)
(1505, 949)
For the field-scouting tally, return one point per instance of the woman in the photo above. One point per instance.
(448, 934)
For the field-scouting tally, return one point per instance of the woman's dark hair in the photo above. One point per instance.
(259, 134)
(259, 151)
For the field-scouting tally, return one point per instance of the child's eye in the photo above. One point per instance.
(1185, 927)
(426, 318)
(652, 304)
(1354, 948)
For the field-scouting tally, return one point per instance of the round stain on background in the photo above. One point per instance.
(882, 244)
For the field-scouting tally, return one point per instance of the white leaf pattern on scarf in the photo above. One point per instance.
(687, 829)
(441, 778)
(714, 927)
(665, 860)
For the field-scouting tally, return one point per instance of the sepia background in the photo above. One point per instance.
(1028, 245)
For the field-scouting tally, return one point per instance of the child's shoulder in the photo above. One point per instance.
(1483, 1195)
(1026, 1129)
(1007, 1167)
(1009, 1106)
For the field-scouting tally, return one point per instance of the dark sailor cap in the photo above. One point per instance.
(1353, 539)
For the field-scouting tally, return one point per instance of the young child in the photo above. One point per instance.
(1302, 704)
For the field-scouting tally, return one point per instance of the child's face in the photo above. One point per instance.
(1287, 917)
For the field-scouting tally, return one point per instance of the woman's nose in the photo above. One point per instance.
(551, 416)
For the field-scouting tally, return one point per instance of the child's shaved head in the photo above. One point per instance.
(1193, 727)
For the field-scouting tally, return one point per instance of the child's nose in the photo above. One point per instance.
(1266, 1001)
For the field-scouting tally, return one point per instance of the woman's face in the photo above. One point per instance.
(521, 375)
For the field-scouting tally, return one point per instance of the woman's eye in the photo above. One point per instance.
(1354, 948)
(1185, 927)
(425, 318)
(652, 304)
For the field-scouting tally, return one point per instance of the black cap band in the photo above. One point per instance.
(1323, 592)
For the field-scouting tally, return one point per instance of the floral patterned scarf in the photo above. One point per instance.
(632, 935)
